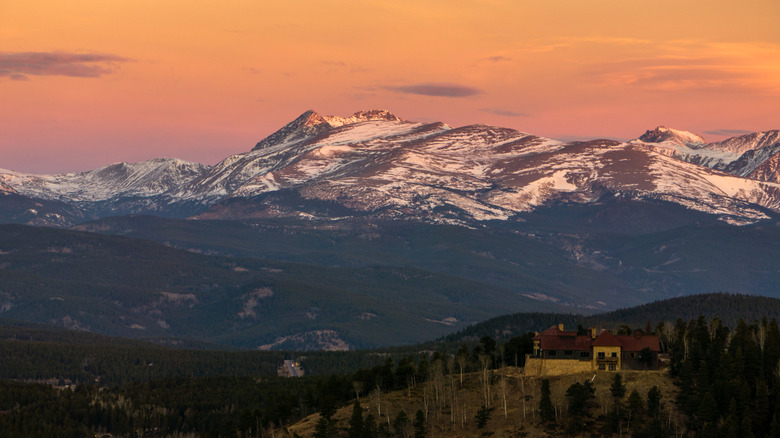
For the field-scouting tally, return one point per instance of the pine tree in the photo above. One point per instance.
(635, 403)
(369, 426)
(708, 409)
(401, 424)
(653, 401)
(774, 428)
(546, 409)
(419, 424)
(356, 429)
(618, 389)
(483, 416)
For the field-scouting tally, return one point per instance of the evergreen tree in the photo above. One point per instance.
(546, 409)
(324, 428)
(401, 424)
(579, 395)
(635, 404)
(653, 401)
(774, 428)
(356, 427)
(369, 426)
(746, 429)
(419, 424)
(483, 416)
(618, 389)
(708, 409)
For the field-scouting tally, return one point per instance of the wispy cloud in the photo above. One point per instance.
(20, 65)
(692, 65)
(540, 46)
(503, 112)
(334, 63)
(498, 58)
(674, 74)
(728, 132)
(439, 89)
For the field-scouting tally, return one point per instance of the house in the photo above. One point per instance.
(557, 351)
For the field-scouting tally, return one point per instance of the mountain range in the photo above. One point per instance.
(374, 164)
(371, 230)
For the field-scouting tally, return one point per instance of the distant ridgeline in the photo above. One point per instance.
(729, 308)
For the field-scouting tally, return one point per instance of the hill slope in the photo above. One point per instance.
(135, 288)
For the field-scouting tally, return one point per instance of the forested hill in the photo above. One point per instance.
(729, 308)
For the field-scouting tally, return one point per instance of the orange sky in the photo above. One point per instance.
(87, 83)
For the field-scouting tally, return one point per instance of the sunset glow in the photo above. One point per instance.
(86, 83)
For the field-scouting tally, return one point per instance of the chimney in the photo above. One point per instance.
(593, 332)
(560, 326)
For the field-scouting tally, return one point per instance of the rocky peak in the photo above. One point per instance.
(662, 134)
(311, 124)
(307, 125)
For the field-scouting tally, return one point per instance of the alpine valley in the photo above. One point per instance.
(371, 230)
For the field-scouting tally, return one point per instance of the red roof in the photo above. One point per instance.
(639, 342)
(634, 342)
(606, 339)
(555, 339)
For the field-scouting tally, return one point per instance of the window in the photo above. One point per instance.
(614, 354)
(567, 353)
(551, 353)
(633, 355)
(612, 367)
(584, 354)
(601, 355)
(602, 367)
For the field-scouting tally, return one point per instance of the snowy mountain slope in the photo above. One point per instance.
(144, 179)
(477, 173)
(740, 155)
(747, 142)
(685, 146)
(378, 165)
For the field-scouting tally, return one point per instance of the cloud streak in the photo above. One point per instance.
(689, 65)
(438, 89)
(20, 65)
(503, 112)
(728, 132)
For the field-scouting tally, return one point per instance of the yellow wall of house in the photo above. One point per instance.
(535, 366)
(607, 354)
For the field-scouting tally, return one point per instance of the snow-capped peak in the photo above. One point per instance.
(311, 124)
(362, 116)
(662, 134)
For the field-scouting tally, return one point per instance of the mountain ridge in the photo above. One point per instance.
(377, 164)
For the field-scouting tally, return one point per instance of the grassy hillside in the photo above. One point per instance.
(513, 400)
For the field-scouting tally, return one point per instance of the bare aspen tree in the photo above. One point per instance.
(462, 361)
(376, 395)
(761, 334)
(503, 395)
(358, 386)
(452, 400)
(484, 361)
(425, 400)
(522, 394)
(437, 378)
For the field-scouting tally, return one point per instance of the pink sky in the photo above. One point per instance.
(87, 83)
